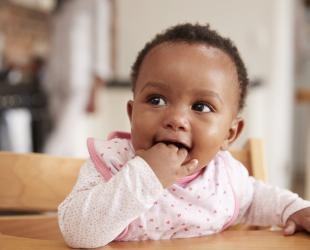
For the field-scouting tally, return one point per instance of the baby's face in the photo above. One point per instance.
(186, 95)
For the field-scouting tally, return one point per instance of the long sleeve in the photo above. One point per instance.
(262, 204)
(270, 205)
(96, 211)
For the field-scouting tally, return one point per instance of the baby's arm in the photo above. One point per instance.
(265, 205)
(96, 212)
(269, 205)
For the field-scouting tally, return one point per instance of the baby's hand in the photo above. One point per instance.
(298, 221)
(167, 162)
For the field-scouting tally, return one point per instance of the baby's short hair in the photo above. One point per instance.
(196, 34)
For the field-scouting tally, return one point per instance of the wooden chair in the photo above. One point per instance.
(34, 184)
(38, 183)
(252, 156)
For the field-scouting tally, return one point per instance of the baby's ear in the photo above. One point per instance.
(129, 109)
(233, 132)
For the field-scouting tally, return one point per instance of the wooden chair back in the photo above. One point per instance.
(38, 182)
(252, 156)
(35, 182)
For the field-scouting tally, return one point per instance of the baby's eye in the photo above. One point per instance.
(201, 107)
(156, 101)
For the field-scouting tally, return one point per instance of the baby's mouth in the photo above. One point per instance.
(179, 145)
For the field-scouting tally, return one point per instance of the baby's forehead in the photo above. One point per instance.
(185, 45)
(180, 67)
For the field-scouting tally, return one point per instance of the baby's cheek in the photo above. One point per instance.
(203, 158)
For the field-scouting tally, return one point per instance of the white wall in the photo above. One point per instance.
(111, 112)
(262, 30)
(280, 94)
(246, 22)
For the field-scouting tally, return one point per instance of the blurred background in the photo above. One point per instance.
(64, 72)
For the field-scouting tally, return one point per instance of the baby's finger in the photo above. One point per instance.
(305, 224)
(172, 146)
(189, 167)
(290, 228)
(182, 152)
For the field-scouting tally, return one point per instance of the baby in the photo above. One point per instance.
(173, 177)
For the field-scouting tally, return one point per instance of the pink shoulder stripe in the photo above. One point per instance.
(99, 163)
(103, 170)
(187, 179)
(119, 134)
(122, 234)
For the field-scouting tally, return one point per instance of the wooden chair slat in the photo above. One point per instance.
(39, 182)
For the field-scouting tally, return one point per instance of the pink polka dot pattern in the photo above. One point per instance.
(190, 211)
(201, 207)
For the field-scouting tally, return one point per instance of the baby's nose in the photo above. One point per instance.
(177, 120)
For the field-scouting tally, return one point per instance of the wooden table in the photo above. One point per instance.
(241, 240)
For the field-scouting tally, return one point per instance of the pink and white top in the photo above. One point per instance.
(118, 197)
